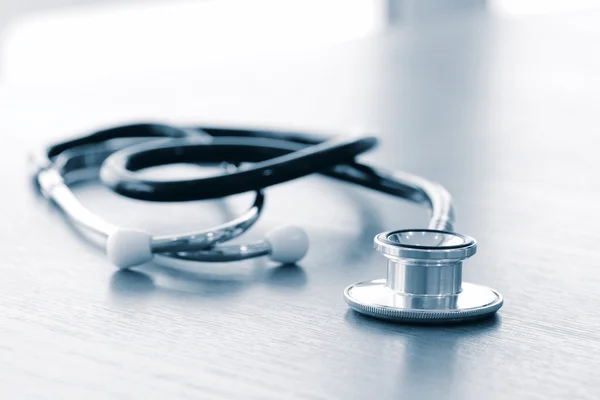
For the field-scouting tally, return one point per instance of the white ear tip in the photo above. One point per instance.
(129, 247)
(289, 244)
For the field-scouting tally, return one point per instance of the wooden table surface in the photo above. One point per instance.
(504, 112)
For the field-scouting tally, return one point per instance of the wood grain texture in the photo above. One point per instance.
(504, 113)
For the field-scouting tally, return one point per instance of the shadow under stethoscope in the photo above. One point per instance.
(132, 283)
(428, 355)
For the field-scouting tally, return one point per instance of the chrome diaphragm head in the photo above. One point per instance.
(424, 280)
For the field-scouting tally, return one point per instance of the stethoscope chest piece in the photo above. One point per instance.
(424, 280)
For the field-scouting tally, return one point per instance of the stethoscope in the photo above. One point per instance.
(424, 266)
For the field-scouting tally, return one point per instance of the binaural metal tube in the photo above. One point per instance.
(225, 252)
(70, 166)
(439, 199)
(204, 239)
(404, 185)
(54, 188)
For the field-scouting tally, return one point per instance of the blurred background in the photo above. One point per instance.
(153, 58)
(92, 40)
